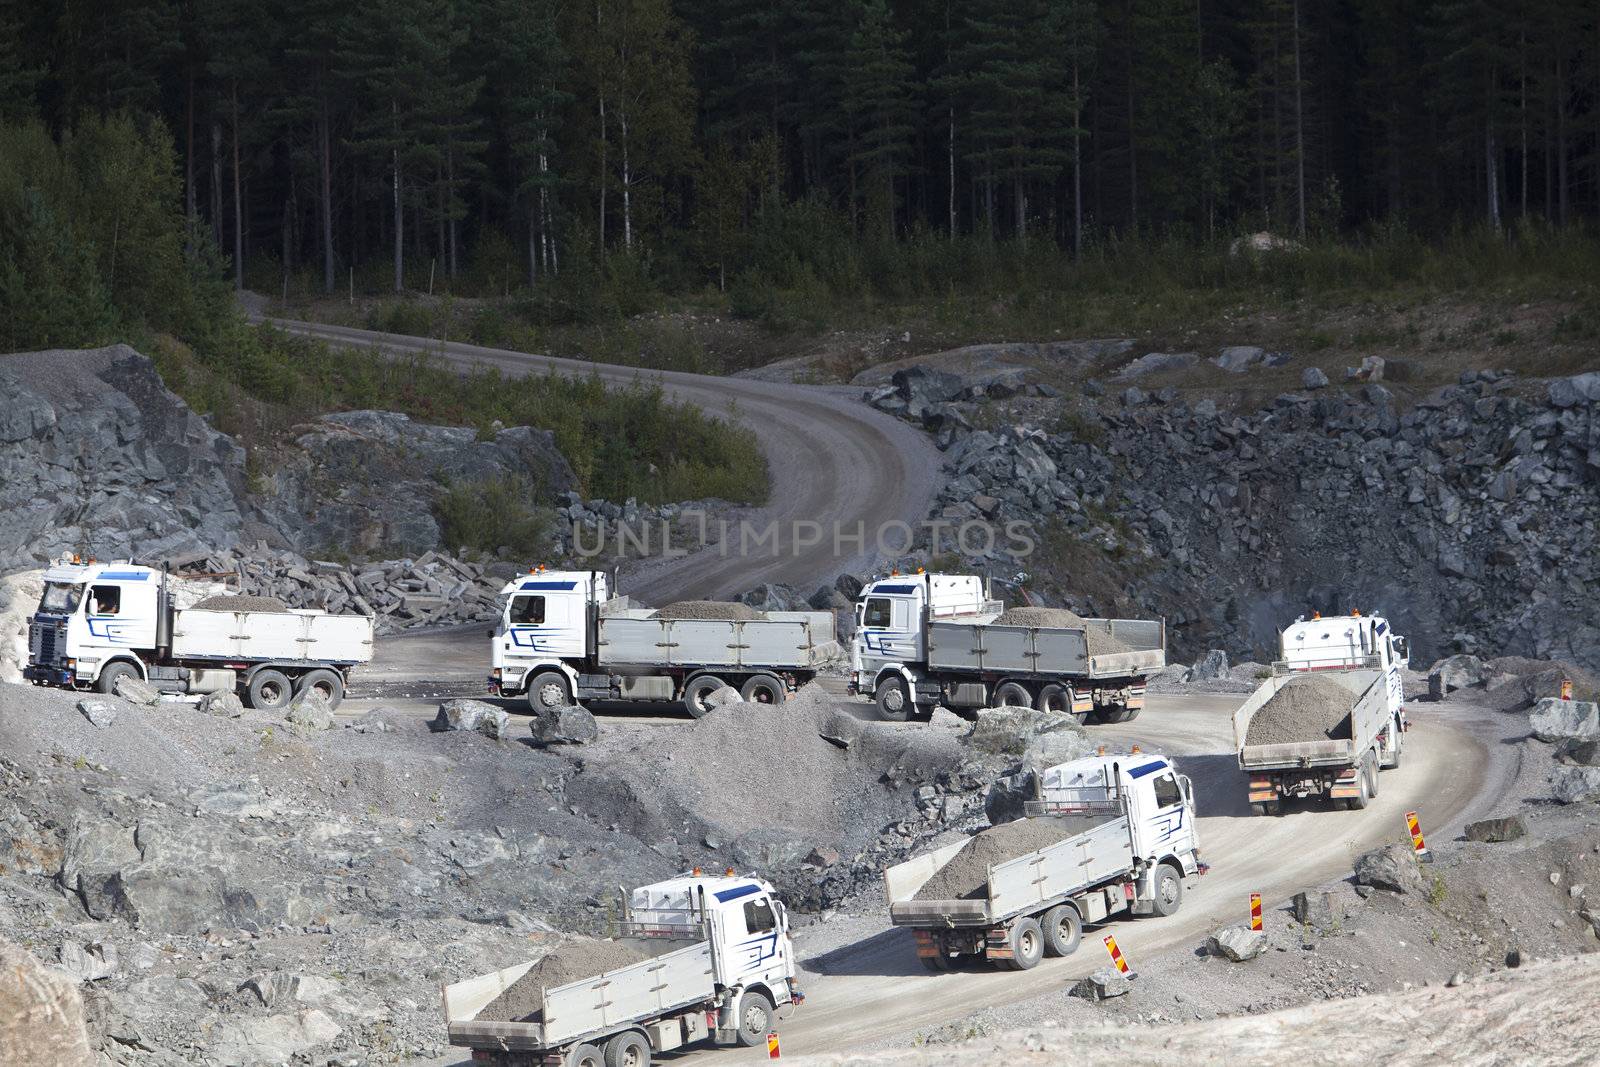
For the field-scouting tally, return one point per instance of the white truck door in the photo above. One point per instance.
(754, 944)
(119, 611)
(547, 620)
(1162, 822)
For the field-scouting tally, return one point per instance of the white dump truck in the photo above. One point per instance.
(1121, 839)
(563, 639)
(1332, 743)
(924, 640)
(99, 623)
(716, 966)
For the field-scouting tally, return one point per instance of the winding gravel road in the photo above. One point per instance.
(833, 461)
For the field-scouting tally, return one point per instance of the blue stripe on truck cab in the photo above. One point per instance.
(738, 891)
(1148, 768)
(548, 585)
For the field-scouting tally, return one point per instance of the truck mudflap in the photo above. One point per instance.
(997, 945)
(1263, 790)
(1347, 785)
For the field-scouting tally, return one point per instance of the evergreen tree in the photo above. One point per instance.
(530, 64)
(20, 74)
(882, 115)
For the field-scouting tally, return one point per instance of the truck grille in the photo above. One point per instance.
(42, 643)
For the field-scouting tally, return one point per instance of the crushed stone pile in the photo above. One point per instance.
(1307, 708)
(966, 876)
(241, 603)
(523, 1000)
(710, 609)
(1100, 642)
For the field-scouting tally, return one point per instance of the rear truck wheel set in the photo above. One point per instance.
(696, 694)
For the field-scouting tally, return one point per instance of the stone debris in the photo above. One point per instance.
(1392, 867)
(41, 1014)
(1314, 909)
(1237, 943)
(310, 711)
(226, 704)
(1574, 785)
(709, 609)
(99, 711)
(1212, 665)
(523, 1000)
(1554, 719)
(1306, 708)
(475, 715)
(135, 691)
(966, 876)
(1496, 830)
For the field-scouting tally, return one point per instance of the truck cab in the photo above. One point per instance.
(891, 616)
(1345, 643)
(91, 614)
(545, 619)
(1158, 800)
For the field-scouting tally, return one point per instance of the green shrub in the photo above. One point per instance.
(490, 516)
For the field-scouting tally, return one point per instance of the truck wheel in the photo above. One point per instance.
(585, 1056)
(1027, 944)
(1012, 695)
(1267, 807)
(1372, 778)
(764, 689)
(894, 703)
(548, 691)
(1129, 714)
(628, 1050)
(1169, 890)
(1397, 738)
(938, 964)
(755, 1019)
(1063, 929)
(327, 683)
(1363, 791)
(695, 693)
(1054, 699)
(269, 690)
(107, 682)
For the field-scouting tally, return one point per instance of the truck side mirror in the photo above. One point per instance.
(489, 634)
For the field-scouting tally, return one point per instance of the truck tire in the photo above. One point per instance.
(1363, 790)
(892, 700)
(1168, 890)
(764, 689)
(937, 964)
(585, 1055)
(755, 1019)
(549, 690)
(114, 673)
(1027, 944)
(1063, 929)
(1012, 695)
(695, 693)
(1397, 737)
(269, 690)
(1267, 807)
(326, 682)
(1372, 778)
(1056, 699)
(628, 1049)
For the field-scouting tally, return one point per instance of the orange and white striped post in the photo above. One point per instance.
(1255, 911)
(1418, 846)
(1116, 955)
(1566, 689)
(772, 1045)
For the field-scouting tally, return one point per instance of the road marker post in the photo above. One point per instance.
(1566, 689)
(1117, 958)
(772, 1045)
(1418, 846)
(1255, 911)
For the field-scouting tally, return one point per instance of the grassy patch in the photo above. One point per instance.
(495, 518)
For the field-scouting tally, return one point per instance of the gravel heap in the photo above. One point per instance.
(523, 1000)
(966, 876)
(1100, 642)
(710, 609)
(1307, 708)
(241, 603)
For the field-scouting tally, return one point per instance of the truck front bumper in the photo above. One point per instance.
(60, 676)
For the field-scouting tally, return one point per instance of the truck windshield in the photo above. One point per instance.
(61, 598)
(877, 614)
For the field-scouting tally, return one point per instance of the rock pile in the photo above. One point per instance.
(523, 1001)
(1307, 708)
(966, 876)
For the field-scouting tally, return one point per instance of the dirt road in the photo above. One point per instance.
(833, 460)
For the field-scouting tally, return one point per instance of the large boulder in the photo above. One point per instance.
(310, 711)
(1579, 391)
(272, 1039)
(474, 715)
(1313, 378)
(772, 598)
(1007, 797)
(569, 725)
(41, 1013)
(1155, 362)
(1237, 943)
(1214, 664)
(1392, 867)
(1573, 785)
(1103, 984)
(927, 385)
(225, 704)
(1495, 830)
(100, 712)
(1236, 359)
(1455, 672)
(1314, 909)
(137, 691)
(1553, 719)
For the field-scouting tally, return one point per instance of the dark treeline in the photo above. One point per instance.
(500, 142)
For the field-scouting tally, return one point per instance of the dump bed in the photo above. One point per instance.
(1099, 852)
(1368, 715)
(792, 639)
(976, 643)
(259, 636)
(673, 980)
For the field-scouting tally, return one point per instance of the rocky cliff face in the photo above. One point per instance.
(1468, 516)
(96, 453)
(98, 456)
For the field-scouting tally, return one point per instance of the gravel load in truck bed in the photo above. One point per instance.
(710, 609)
(1307, 708)
(523, 1000)
(966, 876)
(241, 603)
(1100, 642)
